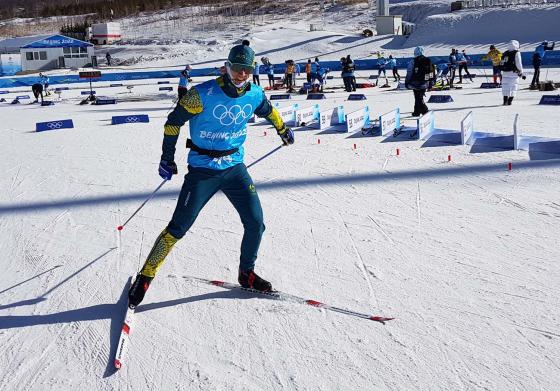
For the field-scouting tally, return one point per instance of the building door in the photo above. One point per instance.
(61, 63)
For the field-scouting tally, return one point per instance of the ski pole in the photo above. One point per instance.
(173, 105)
(265, 156)
(485, 76)
(120, 227)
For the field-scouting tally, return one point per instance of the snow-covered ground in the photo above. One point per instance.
(463, 253)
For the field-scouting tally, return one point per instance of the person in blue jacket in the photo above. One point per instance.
(44, 80)
(462, 60)
(218, 111)
(184, 81)
(269, 69)
(538, 57)
(381, 68)
(256, 73)
(392, 64)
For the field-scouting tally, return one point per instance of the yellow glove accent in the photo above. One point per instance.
(163, 245)
(276, 120)
(192, 102)
(171, 130)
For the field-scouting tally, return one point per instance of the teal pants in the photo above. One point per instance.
(236, 183)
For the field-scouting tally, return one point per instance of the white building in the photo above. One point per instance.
(105, 33)
(56, 51)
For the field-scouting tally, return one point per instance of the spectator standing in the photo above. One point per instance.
(420, 73)
(512, 70)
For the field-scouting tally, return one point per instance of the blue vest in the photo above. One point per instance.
(222, 124)
(183, 81)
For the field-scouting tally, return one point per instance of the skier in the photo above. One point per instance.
(462, 60)
(308, 71)
(512, 70)
(382, 64)
(289, 75)
(452, 66)
(538, 57)
(392, 63)
(184, 80)
(269, 71)
(218, 111)
(37, 89)
(495, 56)
(317, 72)
(108, 58)
(419, 74)
(345, 75)
(351, 68)
(256, 73)
(45, 82)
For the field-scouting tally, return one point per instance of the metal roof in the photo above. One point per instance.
(56, 41)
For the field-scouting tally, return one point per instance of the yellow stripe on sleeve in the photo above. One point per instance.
(275, 118)
(170, 130)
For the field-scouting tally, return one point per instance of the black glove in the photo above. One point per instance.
(286, 135)
(167, 169)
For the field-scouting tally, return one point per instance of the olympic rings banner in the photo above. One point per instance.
(129, 119)
(54, 125)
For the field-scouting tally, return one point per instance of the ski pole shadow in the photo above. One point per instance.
(43, 297)
(29, 279)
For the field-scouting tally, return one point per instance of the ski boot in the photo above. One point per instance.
(250, 280)
(138, 290)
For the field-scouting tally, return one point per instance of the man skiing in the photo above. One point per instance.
(218, 111)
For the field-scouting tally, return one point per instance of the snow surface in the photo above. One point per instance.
(463, 253)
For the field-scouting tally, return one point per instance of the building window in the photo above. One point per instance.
(83, 52)
(35, 55)
(75, 52)
(42, 55)
(29, 56)
(66, 52)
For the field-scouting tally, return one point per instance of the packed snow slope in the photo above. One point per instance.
(460, 250)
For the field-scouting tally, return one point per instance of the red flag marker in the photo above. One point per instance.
(119, 228)
(398, 152)
(318, 141)
(448, 158)
(354, 146)
(509, 166)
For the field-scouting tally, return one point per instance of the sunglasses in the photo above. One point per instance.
(241, 68)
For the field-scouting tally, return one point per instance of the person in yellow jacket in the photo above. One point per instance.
(495, 56)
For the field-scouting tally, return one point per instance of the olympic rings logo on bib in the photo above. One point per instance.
(233, 115)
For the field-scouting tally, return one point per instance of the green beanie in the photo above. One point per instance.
(242, 55)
